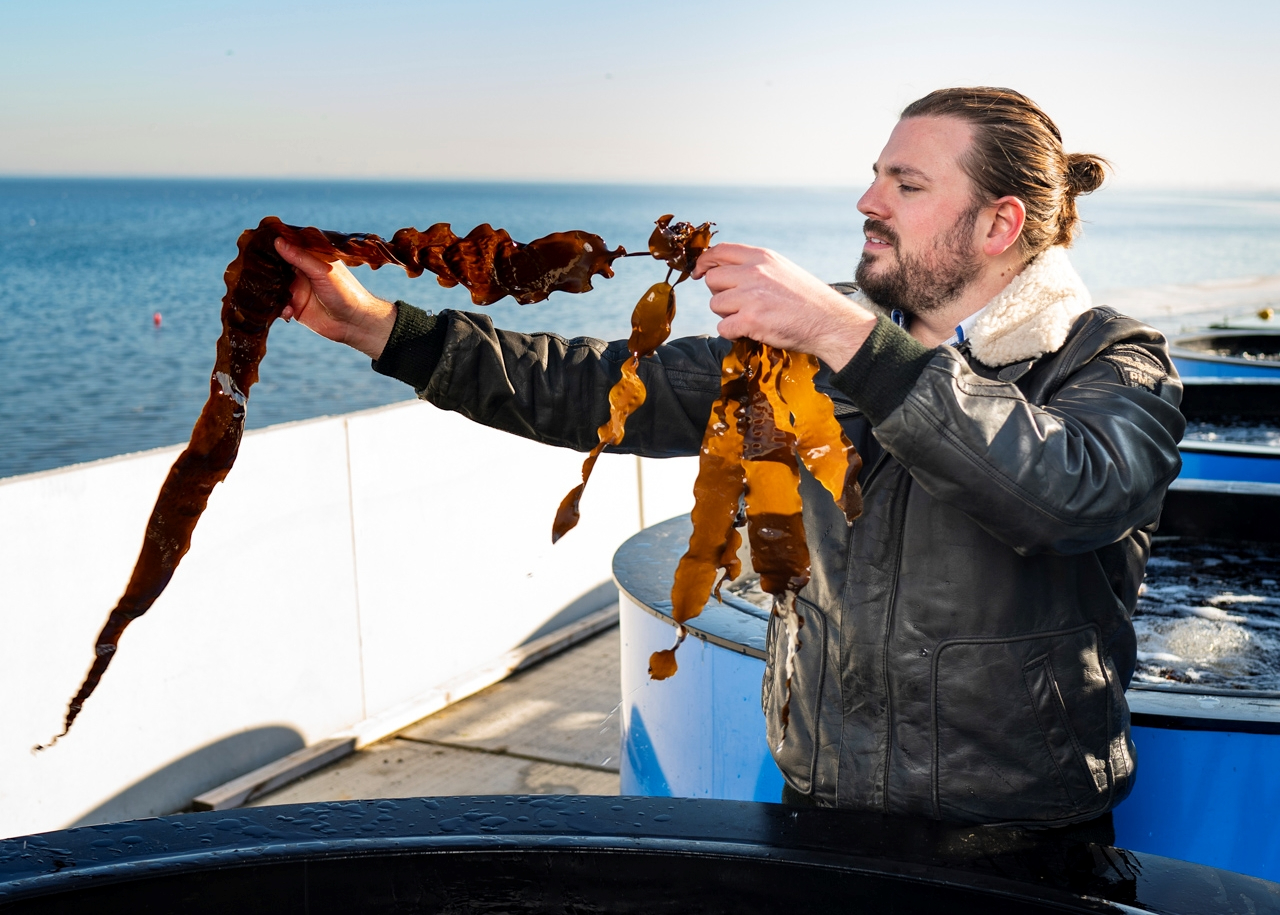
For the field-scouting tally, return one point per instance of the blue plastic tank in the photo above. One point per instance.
(1227, 353)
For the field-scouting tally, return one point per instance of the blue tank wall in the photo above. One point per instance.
(1254, 468)
(1211, 368)
(1212, 797)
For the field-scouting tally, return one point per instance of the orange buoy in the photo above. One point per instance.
(156, 319)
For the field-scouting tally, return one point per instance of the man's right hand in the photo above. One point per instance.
(327, 298)
(760, 294)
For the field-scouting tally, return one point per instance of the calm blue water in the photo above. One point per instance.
(85, 263)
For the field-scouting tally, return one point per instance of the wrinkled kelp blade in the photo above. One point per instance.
(717, 493)
(713, 545)
(625, 397)
(775, 524)
(491, 265)
(775, 519)
(680, 244)
(650, 326)
(820, 442)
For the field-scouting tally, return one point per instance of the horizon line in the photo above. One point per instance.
(567, 182)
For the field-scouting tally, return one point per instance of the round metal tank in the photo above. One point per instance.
(592, 854)
(700, 733)
(1203, 792)
(1227, 353)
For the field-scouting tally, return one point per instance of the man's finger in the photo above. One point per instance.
(299, 292)
(731, 328)
(303, 260)
(726, 303)
(732, 276)
(725, 254)
(722, 306)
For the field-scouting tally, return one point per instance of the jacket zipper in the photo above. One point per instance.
(888, 635)
(884, 657)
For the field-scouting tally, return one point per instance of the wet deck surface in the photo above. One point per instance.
(552, 729)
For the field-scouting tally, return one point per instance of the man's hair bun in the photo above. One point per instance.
(1085, 172)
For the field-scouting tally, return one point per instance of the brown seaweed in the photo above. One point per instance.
(678, 246)
(712, 555)
(769, 419)
(486, 261)
(821, 444)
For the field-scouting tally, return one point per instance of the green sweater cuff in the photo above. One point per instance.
(414, 348)
(883, 371)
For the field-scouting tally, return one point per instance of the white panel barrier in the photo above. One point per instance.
(453, 533)
(346, 565)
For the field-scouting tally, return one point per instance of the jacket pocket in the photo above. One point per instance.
(796, 753)
(1081, 782)
(1022, 728)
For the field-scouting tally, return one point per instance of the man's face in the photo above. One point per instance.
(922, 248)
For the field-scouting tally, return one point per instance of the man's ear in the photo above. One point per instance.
(1010, 215)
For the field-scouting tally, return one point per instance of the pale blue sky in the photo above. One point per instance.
(1175, 93)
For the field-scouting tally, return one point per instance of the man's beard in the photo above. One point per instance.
(922, 284)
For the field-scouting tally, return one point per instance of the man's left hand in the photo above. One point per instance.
(760, 294)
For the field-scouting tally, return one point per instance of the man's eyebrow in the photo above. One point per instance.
(901, 171)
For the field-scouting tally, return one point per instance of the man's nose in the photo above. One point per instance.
(872, 204)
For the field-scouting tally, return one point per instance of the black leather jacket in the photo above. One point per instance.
(968, 641)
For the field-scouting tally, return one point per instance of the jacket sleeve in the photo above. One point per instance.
(556, 391)
(1081, 471)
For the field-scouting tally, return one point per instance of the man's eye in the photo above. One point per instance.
(907, 187)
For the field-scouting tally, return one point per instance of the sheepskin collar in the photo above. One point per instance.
(1033, 314)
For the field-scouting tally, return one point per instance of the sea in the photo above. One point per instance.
(87, 264)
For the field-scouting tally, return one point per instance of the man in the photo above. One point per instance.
(968, 640)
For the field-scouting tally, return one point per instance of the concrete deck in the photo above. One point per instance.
(551, 729)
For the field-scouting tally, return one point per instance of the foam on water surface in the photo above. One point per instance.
(1234, 430)
(1209, 615)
